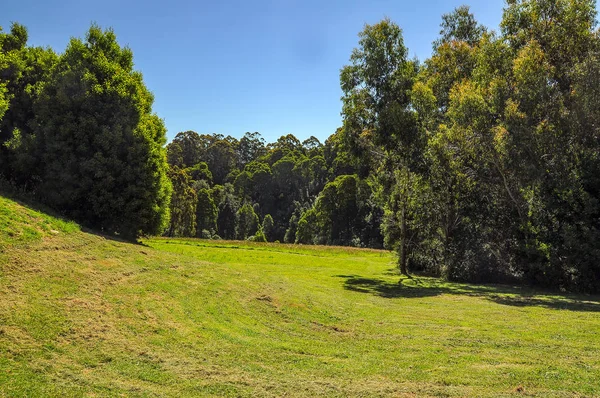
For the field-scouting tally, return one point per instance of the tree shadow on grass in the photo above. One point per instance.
(515, 296)
(557, 303)
(386, 289)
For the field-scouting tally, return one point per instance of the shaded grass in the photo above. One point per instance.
(513, 296)
(84, 316)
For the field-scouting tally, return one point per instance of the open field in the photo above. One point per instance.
(82, 315)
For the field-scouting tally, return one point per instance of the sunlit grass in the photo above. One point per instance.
(81, 315)
(20, 225)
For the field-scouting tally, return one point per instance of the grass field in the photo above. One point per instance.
(82, 315)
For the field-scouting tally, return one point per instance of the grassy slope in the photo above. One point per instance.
(84, 316)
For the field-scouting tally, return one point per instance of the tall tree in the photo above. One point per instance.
(183, 204)
(228, 208)
(206, 213)
(100, 144)
(221, 159)
(460, 25)
(268, 227)
(378, 118)
(187, 148)
(251, 147)
(23, 72)
(247, 222)
(449, 225)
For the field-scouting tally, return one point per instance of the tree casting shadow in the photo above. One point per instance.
(503, 295)
(385, 289)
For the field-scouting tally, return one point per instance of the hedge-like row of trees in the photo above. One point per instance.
(77, 130)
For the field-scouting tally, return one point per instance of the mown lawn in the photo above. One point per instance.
(81, 315)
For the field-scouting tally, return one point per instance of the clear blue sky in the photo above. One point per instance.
(229, 67)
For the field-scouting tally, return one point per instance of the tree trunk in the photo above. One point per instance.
(403, 244)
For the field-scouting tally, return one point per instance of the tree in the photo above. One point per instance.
(183, 204)
(460, 25)
(228, 208)
(3, 102)
(101, 146)
(450, 226)
(175, 155)
(553, 44)
(312, 146)
(23, 72)
(243, 184)
(287, 143)
(307, 231)
(200, 171)
(206, 213)
(251, 147)
(221, 159)
(268, 227)
(247, 222)
(187, 149)
(378, 118)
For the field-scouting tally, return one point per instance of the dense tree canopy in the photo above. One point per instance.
(80, 131)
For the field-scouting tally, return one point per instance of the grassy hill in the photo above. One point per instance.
(83, 315)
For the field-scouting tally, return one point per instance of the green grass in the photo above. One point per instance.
(81, 315)
(20, 224)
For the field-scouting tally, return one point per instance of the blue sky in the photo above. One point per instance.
(229, 67)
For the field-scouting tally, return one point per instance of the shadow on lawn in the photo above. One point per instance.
(385, 289)
(410, 287)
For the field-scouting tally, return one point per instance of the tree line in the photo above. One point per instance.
(481, 163)
(287, 191)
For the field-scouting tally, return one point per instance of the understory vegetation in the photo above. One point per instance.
(480, 163)
(86, 315)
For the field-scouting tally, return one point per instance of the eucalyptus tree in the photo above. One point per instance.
(380, 124)
(183, 204)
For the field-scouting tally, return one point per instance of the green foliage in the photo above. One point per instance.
(268, 228)
(227, 222)
(251, 147)
(3, 102)
(23, 72)
(221, 159)
(307, 231)
(343, 214)
(183, 205)
(200, 171)
(105, 164)
(483, 156)
(206, 212)
(504, 154)
(247, 222)
(259, 236)
(480, 163)
(282, 179)
(379, 119)
(185, 150)
(460, 25)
